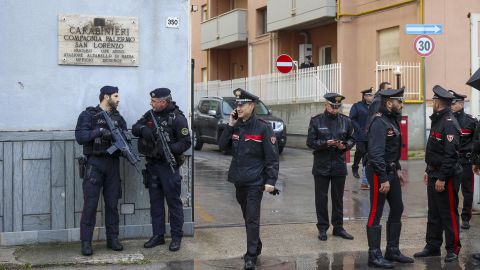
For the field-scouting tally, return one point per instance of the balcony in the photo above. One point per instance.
(291, 14)
(228, 30)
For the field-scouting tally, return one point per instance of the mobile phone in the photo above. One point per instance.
(235, 114)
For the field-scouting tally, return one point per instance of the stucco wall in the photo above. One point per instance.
(38, 94)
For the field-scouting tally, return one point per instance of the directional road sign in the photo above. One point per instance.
(423, 29)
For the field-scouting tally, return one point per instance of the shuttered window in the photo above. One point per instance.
(388, 45)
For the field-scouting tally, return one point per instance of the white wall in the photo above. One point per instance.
(38, 94)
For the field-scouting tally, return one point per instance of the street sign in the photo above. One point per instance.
(284, 63)
(424, 45)
(423, 29)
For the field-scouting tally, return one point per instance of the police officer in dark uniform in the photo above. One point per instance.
(254, 166)
(161, 182)
(102, 170)
(330, 135)
(386, 179)
(443, 165)
(359, 116)
(476, 163)
(468, 124)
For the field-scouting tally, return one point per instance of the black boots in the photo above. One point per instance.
(355, 172)
(87, 248)
(155, 241)
(465, 224)
(393, 252)
(114, 244)
(427, 253)
(375, 257)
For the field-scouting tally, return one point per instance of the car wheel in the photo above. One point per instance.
(197, 144)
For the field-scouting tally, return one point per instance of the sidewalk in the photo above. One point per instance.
(218, 247)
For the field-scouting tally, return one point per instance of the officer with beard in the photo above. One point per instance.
(443, 165)
(102, 169)
(162, 183)
(386, 179)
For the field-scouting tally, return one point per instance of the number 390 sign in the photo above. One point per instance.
(424, 45)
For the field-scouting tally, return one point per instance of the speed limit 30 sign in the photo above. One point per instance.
(424, 45)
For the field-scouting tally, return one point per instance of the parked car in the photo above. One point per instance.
(212, 114)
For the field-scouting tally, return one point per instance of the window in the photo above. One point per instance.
(204, 106)
(204, 75)
(388, 45)
(204, 13)
(325, 55)
(261, 21)
(214, 105)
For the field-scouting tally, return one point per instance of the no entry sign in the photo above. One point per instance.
(284, 63)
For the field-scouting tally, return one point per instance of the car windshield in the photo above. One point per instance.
(260, 108)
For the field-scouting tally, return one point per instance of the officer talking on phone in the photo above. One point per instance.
(254, 166)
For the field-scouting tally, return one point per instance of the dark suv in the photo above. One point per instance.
(212, 114)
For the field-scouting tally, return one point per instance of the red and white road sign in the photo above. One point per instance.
(424, 45)
(284, 63)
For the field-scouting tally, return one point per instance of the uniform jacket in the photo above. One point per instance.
(87, 131)
(443, 145)
(255, 152)
(329, 161)
(359, 117)
(173, 122)
(468, 124)
(384, 145)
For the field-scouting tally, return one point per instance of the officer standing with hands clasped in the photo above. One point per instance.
(330, 135)
(254, 166)
(468, 124)
(443, 165)
(161, 177)
(102, 169)
(386, 179)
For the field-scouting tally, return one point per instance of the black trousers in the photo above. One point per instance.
(377, 199)
(443, 217)
(102, 172)
(466, 181)
(360, 152)
(164, 185)
(250, 200)
(321, 201)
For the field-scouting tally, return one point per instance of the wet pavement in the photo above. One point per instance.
(216, 204)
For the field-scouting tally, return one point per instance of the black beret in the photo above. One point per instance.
(108, 90)
(392, 93)
(457, 97)
(243, 96)
(366, 91)
(442, 93)
(160, 93)
(334, 98)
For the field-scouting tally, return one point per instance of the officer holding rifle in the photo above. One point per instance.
(163, 137)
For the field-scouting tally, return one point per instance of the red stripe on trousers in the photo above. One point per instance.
(373, 211)
(452, 215)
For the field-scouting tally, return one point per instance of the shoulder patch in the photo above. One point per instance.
(184, 131)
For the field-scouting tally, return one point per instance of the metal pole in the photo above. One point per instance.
(192, 106)
(424, 87)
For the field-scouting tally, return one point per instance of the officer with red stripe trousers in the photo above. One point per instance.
(468, 124)
(443, 165)
(254, 166)
(385, 178)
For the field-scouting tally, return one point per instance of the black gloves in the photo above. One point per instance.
(104, 133)
(147, 134)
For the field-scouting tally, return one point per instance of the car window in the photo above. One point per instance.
(260, 108)
(204, 106)
(214, 105)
